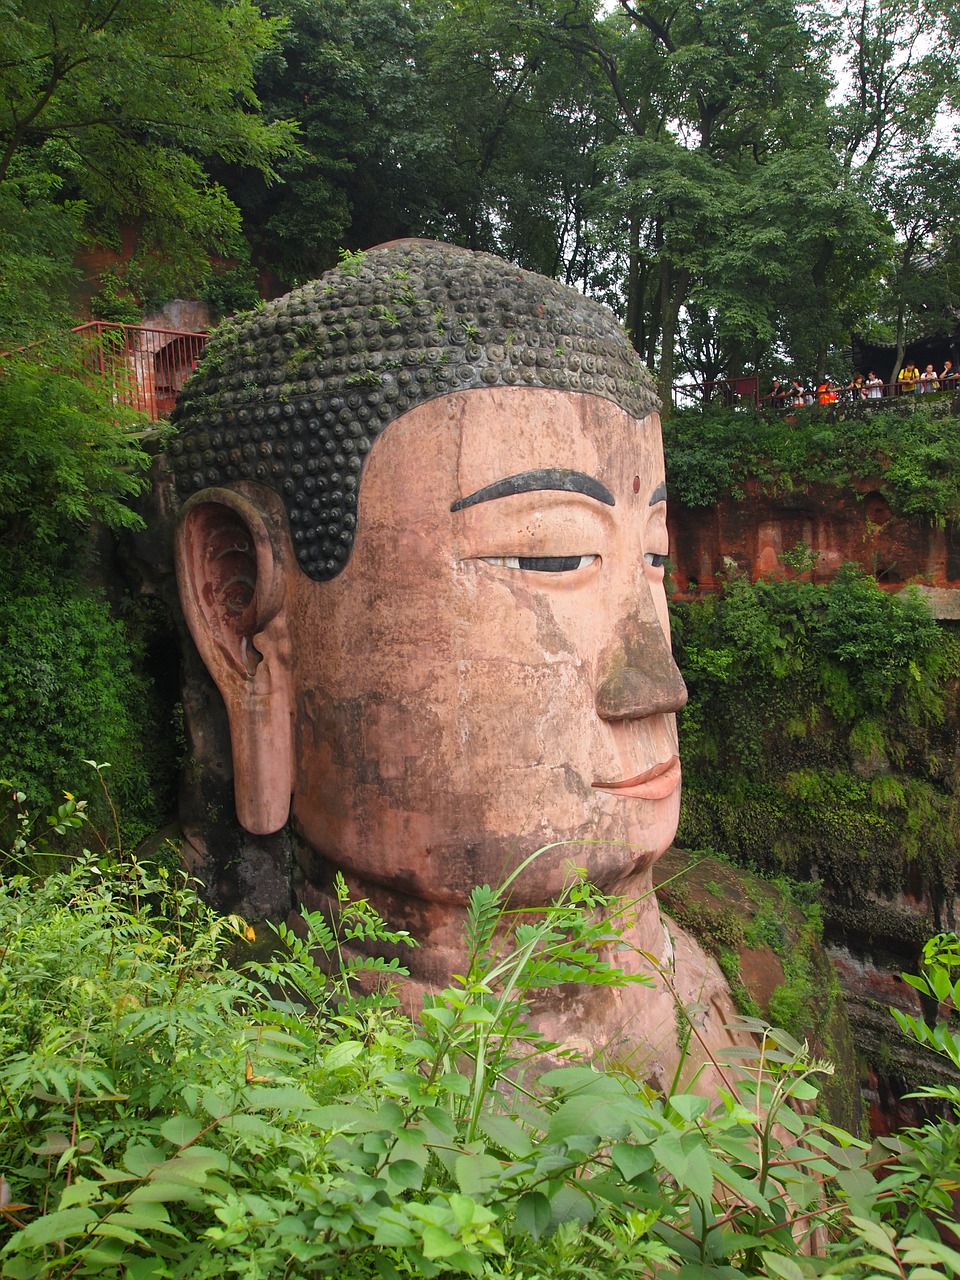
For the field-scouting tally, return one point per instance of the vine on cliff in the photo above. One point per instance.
(817, 739)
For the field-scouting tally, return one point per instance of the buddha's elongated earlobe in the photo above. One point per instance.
(234, 561)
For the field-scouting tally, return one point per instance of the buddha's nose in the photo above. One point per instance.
(641, 678)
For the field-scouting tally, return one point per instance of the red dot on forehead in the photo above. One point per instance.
(636, 484)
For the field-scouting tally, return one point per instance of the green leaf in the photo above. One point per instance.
(54, 1143)
(342, 1055)
(631, 1159)
(745, 1189)
(438, 1243)
(477, 1174)
(454, 1082)
(287, 1099)
(113, 1230)
(689, 1106)
(780, 1265)
(145, 1216)
(392, 1229)
(589, 1116)
(876, 1235)
(569, 1205)
(348, 1118)
(570, 1079)
(181, 1130)
(533, 1213)
(406, 1175)
(506, 1134)
(61, 1225)
(390, 1116)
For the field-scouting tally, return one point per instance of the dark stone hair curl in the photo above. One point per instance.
(293, 396)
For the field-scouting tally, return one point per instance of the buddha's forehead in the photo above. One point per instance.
(502, 432)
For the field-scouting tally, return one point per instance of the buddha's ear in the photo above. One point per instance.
(234, 566)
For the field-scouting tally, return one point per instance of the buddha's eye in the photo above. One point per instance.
(541, 564)
(655, 560)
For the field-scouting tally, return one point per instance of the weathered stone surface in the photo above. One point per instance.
(752, 922)
(421, 554)
(851, 525)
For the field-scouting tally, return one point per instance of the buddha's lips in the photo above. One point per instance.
(655, 783)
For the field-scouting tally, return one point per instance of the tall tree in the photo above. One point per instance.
(709, 95)
(900, 65)
(923, 201)
(109, 112)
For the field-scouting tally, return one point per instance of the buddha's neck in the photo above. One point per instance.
(440, 928)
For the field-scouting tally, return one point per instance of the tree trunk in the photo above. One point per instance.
(902, 311)
(819, 280)
(634, 316)
(673, 290)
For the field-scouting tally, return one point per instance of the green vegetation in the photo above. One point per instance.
(767, 937)
(68, 668)
(71, 455)
(910, 452)
(817, 740)
(111, 116)
(745, 183)
(166, 1115)
(71, 662)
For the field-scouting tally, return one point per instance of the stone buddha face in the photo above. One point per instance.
(487, 672)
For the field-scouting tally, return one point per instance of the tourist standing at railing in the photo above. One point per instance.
(826, 392)
(777, 394)
(874, 387)
(855, 387)
(949, 377)
(908, 378)
(928, 380)
(797, 394)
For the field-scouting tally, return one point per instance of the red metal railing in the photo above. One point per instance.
(730, 392)
(145, 367)
(723, 391)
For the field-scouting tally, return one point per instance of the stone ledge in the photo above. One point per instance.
(943, 602)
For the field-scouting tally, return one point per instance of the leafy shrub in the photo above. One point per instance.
(816, 730)
(114, 300)
(228, 290)
(168, 1116)
(71, 456)
(69, 674)
(70, 671)
(912, 450)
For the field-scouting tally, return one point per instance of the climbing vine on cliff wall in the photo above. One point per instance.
(818, 740)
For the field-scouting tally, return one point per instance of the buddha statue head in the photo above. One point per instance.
(420, 551)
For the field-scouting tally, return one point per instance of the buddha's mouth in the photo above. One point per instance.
(655, 783)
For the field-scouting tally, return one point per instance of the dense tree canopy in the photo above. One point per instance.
(746, 181)
(110, 112)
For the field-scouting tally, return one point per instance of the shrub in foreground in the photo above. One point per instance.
(163, 1114)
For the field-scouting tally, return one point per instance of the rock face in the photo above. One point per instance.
(875, 933)
(852, 525)
(776, 966)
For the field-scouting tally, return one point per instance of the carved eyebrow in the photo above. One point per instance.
(557, 478)
(659, 495)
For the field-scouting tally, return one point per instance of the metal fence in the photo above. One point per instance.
(728, 392)
(144, 367)
(731, 392)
